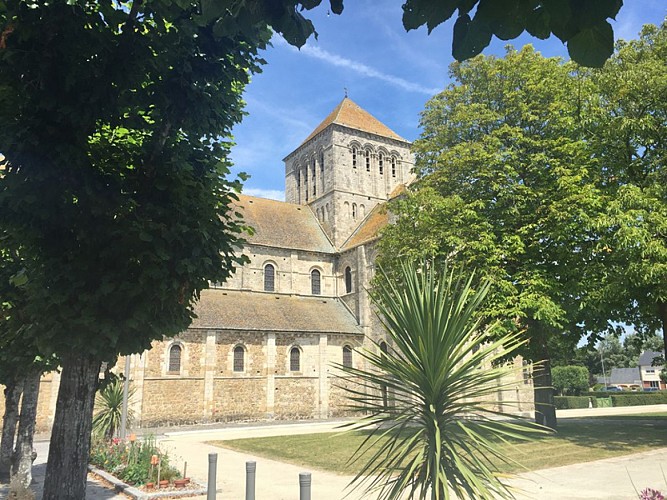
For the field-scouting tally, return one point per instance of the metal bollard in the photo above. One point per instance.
(304, 486)
(250, 469)
(212, 469)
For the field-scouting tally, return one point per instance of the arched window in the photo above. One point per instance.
(354, 210)
(294, 359)
(354, 157)
(175, 352)
(322, 162)
(362, 211)
(314, 183)
(298, 178)
(393, 166)
(347, 356)
(348, 279)
(381, 163)
(269, 278)
(239, 358)
(368, 161)
(315, 282)
(383, 347)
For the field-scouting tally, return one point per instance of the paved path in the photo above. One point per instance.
(603, 479)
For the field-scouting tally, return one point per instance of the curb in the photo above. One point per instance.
(137, 494)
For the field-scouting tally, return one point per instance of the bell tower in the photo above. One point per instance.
(346, 166)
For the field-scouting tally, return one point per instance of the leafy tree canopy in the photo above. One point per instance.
(504, 185)
(570, 380)
(627, 127)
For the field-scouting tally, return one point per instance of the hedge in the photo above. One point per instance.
(571, 402)
(639, 399)
(630, 394)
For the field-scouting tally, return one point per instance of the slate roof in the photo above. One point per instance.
(350, 114)
(370, 227)
(646, 358)
(261, 311)
(625, 376)
(283, 225)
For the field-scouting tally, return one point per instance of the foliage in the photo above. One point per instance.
(131, 461)
(571, 402)
(570, 380)
(415, 396)
(581, 24)
(626, 130)
(115, 120)
(109, 403)
(639, 398)
(505, 185)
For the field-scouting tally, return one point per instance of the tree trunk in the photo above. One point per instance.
(67, 468)
(13, 392)
(23, 454)
(545, 411)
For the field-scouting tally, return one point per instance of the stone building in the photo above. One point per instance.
(265, 343)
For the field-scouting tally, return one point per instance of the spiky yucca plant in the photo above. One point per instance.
(109, 407)
(430, 402)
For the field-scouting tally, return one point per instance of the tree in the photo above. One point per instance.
(418, 441)
(21, 366)
(504, 186)
(627, 129)
(114, 188)
(570, 380)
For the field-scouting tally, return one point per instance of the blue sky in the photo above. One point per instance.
(387, 71)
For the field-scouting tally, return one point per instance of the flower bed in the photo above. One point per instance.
(138, 463)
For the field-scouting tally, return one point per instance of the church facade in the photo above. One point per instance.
(266, 343)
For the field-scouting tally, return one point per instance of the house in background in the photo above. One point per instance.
(649, 374)
(628, 379)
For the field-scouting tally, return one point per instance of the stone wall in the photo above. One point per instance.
(239, 399)
(296, 398)
(172, 401)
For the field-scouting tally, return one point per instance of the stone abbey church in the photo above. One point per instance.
(264, 343)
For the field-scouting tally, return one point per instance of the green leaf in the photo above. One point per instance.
(592, 46)
(470, 38)
(537, 23)
(506, 17)
(336, 6)
(20, 278)
(419, 12)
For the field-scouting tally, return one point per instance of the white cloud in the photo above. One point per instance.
(360, 68)
(272, 194)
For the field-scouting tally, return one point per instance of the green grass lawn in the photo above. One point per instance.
(576, 441)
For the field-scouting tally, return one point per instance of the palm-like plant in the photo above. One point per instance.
(109, 408)
(439, 432)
